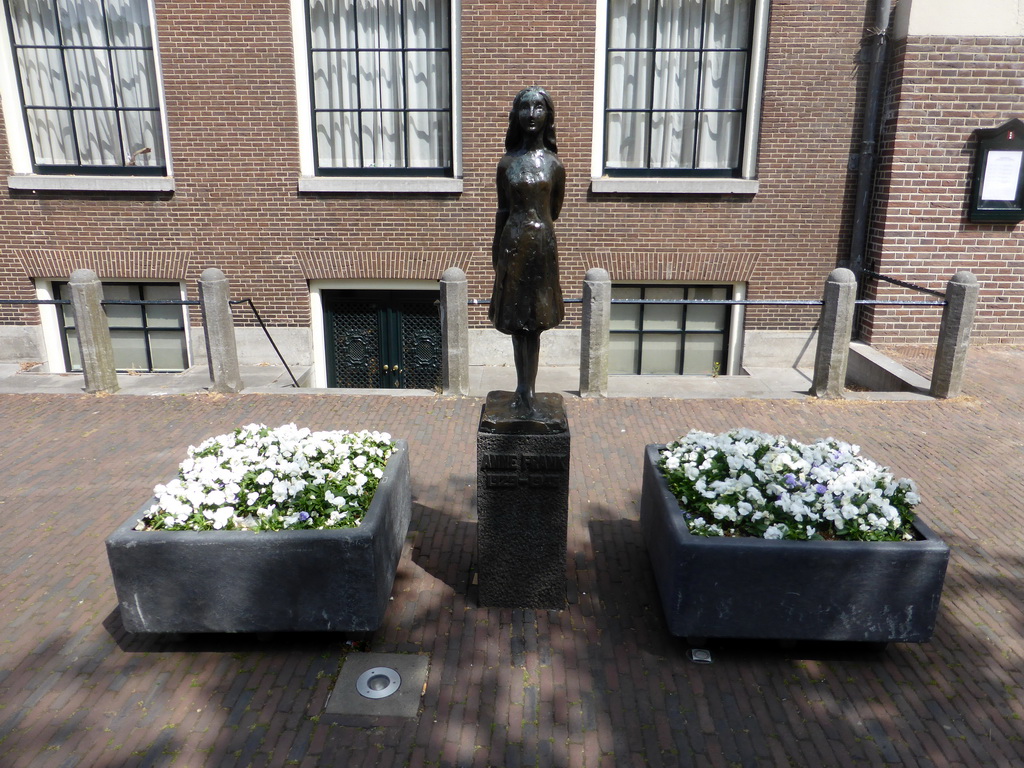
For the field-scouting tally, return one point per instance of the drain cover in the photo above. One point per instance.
(378, 683)
(378, 689)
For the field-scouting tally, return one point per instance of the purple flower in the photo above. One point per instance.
(821, 489)
(303, 516)
(790, 479)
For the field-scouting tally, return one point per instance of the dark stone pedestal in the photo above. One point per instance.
(522, 503)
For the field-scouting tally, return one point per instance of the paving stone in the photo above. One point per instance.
(599, 683)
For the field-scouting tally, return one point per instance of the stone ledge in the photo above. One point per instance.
(43, 183)
(867, 367)
(673, 186)
(380, 184)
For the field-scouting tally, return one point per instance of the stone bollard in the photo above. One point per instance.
(954, 335)
(454, 332)
(93, 331)
(597, 310)
(219, 331)
(834, 333)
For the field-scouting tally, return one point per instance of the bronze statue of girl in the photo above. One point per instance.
(527, 298)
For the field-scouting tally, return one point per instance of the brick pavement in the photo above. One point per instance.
(599, 683)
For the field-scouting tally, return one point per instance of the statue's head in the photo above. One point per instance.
(515, 133)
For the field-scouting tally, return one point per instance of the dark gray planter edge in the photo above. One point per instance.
(723, 587)
(272, 581)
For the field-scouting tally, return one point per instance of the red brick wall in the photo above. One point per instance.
(229, 79)
(941, 90)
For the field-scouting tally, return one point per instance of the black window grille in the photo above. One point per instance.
(676, 86)
(380, 76)
(87, 79)
(145, 337)
(661, 337)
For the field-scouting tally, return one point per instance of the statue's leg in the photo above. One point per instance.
(531, 361)
(519, 356)
(526, 353)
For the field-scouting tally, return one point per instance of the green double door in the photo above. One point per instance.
(382, 339)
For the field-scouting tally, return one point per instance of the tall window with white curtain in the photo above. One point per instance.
(88, 82)
(381, 84)
(676, 83)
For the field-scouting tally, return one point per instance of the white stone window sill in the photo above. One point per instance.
(371, 184)
(688, 186)
(48, 183)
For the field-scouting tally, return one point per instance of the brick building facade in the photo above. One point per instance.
(241, 193)
(949, 76)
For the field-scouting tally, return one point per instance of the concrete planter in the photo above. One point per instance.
(272, 581)
(788, 590)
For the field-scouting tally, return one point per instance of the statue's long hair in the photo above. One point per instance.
(514, 134)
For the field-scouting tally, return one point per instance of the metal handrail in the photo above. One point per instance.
(269, 337)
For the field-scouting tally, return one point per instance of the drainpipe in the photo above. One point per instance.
(875, 50)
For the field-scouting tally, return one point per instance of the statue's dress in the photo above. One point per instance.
(527, 297)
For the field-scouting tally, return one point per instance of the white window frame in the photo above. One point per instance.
(316, 311)
(52, 332)
(734, 349)
(310, 182)
(24, 177)
(746, 184)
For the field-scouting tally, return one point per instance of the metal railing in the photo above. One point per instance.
(269, 337)
(758, 302)
(904, 284)
(34, 301)
(165, 302)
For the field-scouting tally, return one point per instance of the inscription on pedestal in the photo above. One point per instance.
(522, 508)
(500, 470)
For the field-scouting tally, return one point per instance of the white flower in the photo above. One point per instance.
(748, 480)
(309, 476)
(216, 497)
(723, 512)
